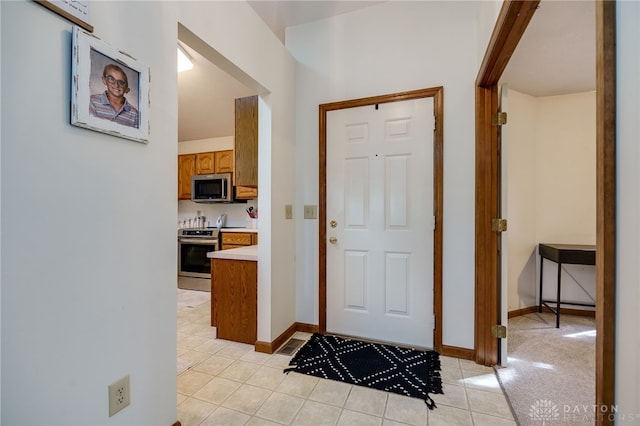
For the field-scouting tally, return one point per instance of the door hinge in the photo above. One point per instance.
(498, 225)
(499, 119)
(499, 331)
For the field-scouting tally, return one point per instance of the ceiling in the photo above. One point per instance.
(555, 56)
(206, 97)
(279, 15)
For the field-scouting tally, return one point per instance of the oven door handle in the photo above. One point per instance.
(197, 241)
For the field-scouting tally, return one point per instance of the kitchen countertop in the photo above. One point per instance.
(241, 253)
(252, 230)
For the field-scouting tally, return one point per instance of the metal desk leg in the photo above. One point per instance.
(558, 299)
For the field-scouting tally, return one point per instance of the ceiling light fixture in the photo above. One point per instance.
(184, 61)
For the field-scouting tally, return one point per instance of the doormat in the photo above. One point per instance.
(404, 371)
(290, 347)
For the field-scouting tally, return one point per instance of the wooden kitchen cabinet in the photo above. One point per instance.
(246, 142)
(224, 161)
(202, 163)
(214, 162)
(238, 239)
(186, 169)
(246, 193)
(205, 164)
(234, 299)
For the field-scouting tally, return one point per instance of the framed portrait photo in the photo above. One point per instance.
(109, 89)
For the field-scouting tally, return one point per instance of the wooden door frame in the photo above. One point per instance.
(437, 93)
(511, 24)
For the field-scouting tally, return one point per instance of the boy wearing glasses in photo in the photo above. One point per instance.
(111, 104)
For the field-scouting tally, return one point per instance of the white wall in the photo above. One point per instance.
(88, 230)
(566, 168)
(628, 213)
(387, 48)
(487, 17)
(88, 283)
(550, 150)
(205, 145)
(566, 188)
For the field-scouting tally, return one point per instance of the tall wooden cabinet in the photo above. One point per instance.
(186, 169)
(246, 142)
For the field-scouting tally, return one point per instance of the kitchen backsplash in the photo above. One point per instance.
(236, 213)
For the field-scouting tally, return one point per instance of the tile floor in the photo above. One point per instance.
(228, 383)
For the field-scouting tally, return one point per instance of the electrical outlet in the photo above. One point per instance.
(119, 395)
(288, 211)
(310, 211)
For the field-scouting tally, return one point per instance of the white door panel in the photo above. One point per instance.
(380, 193)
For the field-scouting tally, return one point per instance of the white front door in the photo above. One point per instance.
(380, 222)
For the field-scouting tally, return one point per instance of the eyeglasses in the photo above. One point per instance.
(120, 83)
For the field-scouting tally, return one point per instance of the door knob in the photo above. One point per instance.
(333, 240)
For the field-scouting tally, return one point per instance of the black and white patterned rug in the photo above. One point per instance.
(404, 371)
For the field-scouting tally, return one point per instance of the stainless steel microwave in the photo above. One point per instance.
(212, 188)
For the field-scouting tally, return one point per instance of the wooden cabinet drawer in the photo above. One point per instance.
(236, 238)
(246, 193)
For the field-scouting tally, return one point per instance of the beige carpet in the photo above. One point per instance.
(550, 373)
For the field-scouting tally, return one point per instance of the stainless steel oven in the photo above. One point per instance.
(194, 267)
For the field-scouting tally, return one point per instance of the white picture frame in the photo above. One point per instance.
(93, 92)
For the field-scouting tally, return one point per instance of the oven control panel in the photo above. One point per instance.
(207, 233)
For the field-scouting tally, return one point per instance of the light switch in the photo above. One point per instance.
(310, 211)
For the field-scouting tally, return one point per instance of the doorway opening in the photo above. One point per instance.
(511, 24)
